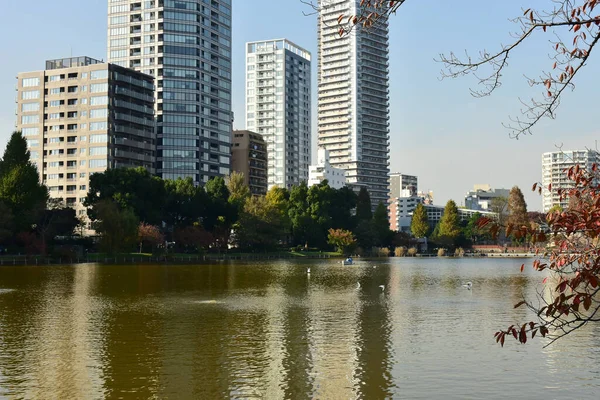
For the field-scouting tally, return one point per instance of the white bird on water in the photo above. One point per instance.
(382, 287)
(468, 286)
(358, 285)
(308, 270)
(374, 266)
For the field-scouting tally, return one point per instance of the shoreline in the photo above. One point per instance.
(141, 259)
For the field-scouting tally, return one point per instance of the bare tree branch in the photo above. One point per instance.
(573, 16)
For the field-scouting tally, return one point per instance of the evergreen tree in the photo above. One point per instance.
(450, 221)
(15, 154)
(381, 226)
(517, 208)
(363, 206)
(419, 225)
(20, 187)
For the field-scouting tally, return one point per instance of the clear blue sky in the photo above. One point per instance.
(438, 131)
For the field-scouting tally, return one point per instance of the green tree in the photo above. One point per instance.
(260, 226)
(472, 231)
(319, 198)
(15, 154)
(450, 222)
(517, 208)
(366, 235)
(6, 222)
(220, 215)
(381, 226)
(131, 188)
(118, 228)
(419, 225)
(342, 203)
(363, 206)
(55, 220)
(185, 204)
(20, 187)
(239, 192)
(343, 240)
(299, 213)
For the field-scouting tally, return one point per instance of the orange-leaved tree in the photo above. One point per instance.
(569, 255)
(342, 239)
(573, 24)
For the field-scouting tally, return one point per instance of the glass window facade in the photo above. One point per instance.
(193, 103)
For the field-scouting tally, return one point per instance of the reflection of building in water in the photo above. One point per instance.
(334, 341)
(373, 374)
(66, 357)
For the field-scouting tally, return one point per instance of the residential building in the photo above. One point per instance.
(554, 171)
(278, 106)
(401, 209)
(400, 182)
(482, 196)
(323, 170)
(249, 156)
(186, 46)
(353, 101)
(81, 116)
(435, 213)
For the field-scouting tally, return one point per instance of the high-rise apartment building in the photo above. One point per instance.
(554, 171)
(278, 99)
(186, 46)
(353, 109)
(249, 156)
(81, 116)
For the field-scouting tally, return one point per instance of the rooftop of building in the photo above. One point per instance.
(278, 44)
(71, 62)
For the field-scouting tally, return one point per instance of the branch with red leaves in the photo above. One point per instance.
(570, 297)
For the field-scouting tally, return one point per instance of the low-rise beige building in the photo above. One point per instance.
(81, 116)
(249, 156)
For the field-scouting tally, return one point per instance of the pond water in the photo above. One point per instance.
(270, 330)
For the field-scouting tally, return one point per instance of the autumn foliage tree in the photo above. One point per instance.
(517, 210)
(570, 295)
(573, 28)
(342, 239)
(149, 235)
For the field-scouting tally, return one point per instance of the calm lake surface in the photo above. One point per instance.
(268, 330)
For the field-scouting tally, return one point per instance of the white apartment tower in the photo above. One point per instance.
(186, 46)
(278, 100)
(554, 171)
(353, 108)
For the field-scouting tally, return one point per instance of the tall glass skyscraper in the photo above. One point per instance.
(278, 107)
(353, 106)
(186, 46)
